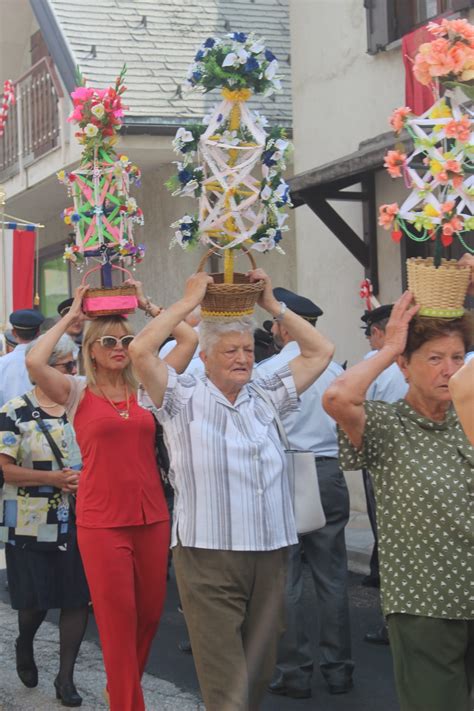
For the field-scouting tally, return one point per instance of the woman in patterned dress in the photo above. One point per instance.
(423, 470)
(44, 567)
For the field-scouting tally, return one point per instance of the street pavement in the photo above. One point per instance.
(170, 683)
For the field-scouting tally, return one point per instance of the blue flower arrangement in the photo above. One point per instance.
(239, 61)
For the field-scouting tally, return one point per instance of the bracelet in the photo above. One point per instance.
(280, 316)
(148, 307)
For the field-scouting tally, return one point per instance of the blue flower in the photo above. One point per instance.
(185, 176)
(75, 217)
(209, 43)
(267, 158)
(8, 439)
(199, 55)
(197, 76)
(251, 64)
(269, 56)
(277, 236)
(219, 118)
(239, 37)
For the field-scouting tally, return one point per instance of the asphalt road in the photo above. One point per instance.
(373, 679)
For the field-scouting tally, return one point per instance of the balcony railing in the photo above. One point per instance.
(34, 122)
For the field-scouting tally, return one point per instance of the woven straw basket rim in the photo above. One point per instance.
(230, 300)
(440, 291)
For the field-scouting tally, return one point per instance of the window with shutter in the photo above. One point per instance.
(389, 20)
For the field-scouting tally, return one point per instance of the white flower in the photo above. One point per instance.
(91, 130)
(266, 193)
(264, 244)
(98, 111)
(271, 70)
(281, 144)
(230, 137)
(277, 84)
(131, 204)
(260, 119)
(183, 135)
(191, 69)
(230, 60)
(242, 55)
(257, 47)
(190, 187)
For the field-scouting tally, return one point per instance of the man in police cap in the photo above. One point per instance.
(14, 378)
(76, 327)
(389, 386)
(325, 550)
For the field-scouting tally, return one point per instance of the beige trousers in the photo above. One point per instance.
(233, 603)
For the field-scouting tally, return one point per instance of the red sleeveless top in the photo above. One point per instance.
(120, 483)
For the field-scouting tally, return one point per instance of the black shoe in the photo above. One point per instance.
(278, 687)
(25, 664)
(341, 688)
(67, 693)
(370, 581)
(380, 636)
(185, 647)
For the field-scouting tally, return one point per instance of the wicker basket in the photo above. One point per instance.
(230, 300)
(439, 291)
(109, 301)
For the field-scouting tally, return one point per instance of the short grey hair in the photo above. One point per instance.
(210, 330)
(63, 347)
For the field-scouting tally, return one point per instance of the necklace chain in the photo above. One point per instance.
(124, 414)
(46, 407)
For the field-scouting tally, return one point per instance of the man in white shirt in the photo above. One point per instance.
(14, 378)
(310, 428)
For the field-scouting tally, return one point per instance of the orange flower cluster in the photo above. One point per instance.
(394, 162)
(399, 117)
(450, 55)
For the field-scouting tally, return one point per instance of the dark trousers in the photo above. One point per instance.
(325, 552)
(371, 513)
(233, 602)
(433, 661)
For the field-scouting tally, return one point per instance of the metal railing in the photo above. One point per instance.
(34, 123)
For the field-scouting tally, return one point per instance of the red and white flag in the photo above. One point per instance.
(19, 266)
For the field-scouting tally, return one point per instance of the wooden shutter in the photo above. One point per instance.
(380, 15)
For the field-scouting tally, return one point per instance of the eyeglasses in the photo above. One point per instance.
(69, 366)
(110, 342)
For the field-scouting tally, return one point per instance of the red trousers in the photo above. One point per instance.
(126, 571)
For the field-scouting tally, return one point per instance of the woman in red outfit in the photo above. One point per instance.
(122, 518)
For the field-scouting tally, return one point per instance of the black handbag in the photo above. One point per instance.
(163, 461)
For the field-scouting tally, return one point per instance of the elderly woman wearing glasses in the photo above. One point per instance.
(122, 517)
(233, 518)
(43, 563)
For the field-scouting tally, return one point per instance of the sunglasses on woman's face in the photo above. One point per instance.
(69, 366)
(112, 341)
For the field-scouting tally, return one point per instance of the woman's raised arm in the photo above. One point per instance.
(53, 383)
(149, 367)
(345, 397)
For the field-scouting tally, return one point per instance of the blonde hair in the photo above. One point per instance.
(96, 329)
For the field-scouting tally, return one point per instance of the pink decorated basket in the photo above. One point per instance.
(109, 301)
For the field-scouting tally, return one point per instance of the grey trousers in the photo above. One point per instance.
(233, 603)
(325, 552)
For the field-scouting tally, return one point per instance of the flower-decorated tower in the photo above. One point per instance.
(232, 162)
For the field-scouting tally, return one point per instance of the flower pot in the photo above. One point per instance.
(230, 301)
(441, 291)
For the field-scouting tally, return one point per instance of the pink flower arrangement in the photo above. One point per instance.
(399, 118)
(452, 171)
(450, 55)
(394, 162)
(387, 214)
(98, 112)
(460, 130)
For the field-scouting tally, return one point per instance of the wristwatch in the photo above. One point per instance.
(279, 317)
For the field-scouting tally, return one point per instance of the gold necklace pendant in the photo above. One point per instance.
(123, 414)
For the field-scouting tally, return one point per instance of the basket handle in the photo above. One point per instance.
(208, 254)
(114, 266)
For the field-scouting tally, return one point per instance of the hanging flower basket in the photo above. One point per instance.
(109, 301)
(232, 301)
(440, 291)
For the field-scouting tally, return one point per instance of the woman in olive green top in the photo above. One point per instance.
(423, 470)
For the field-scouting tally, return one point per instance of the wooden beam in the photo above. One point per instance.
(344, 195)
(339, 227)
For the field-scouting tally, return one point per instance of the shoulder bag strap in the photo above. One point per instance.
(276, 416)
(37, 416)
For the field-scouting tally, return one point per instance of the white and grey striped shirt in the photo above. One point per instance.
(227, 464)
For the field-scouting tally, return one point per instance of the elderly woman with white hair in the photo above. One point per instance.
(233, 517)
(44, 567)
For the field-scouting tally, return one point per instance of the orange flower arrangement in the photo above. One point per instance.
(394, 162)
(450, 56)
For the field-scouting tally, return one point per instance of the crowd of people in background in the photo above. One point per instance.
(86, 410)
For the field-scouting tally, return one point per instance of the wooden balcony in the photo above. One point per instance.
(35, 123)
